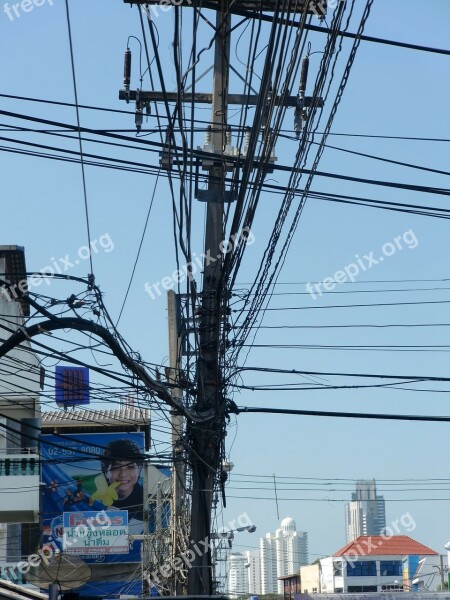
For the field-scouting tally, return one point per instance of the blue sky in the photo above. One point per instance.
(391, 91)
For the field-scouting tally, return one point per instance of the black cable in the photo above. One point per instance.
(284, 308)
(340, 415)
(79, 133)
(330, 374)
(139, 248)
(234, 128)
(201, 154)
(347, 34)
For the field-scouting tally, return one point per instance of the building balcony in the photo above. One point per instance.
(19, 482)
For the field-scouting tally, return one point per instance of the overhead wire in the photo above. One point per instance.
(80, 143)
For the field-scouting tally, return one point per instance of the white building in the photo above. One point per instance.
(19, 424)
(253, 567)
(282, 553)
(366, 513)
(244, 574)
(237, 575)
(380, 564)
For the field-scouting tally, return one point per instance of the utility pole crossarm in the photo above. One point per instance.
(201, 98)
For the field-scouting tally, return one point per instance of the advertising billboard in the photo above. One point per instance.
(90, 532)
(93, 495)
(71, 386)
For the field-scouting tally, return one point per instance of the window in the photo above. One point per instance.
(362, 588)
(390, 568)
(337, 569)
(338, 591)
(367, 568)
(392, 588)
(314, 590)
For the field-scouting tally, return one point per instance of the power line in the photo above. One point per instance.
(340, 415)
(80, 143)
(331, 374)
(203, 155)
(347, 34)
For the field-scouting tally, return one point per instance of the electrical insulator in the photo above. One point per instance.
(265, 115)
(304, 75)
(228, 138)
(138, 116)
(127, 69)
(208, 135)
(300, 111)
(247, 136)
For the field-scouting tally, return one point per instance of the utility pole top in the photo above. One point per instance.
(314, 7)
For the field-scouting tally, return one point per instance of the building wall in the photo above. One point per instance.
(19, 389)
(253, 567)
(266, 558)
(335, 579)
(19, 385)
(310, 579)
(237, 575)
(282, 553)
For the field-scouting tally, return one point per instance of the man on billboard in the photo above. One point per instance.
(122, 465)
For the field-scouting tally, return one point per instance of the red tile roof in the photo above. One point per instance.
(377, 545)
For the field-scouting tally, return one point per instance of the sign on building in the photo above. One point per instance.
(71, 386)
(91, 532)
(94, 474)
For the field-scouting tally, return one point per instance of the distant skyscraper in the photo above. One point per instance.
(366, 513)
(244, 574)
(237, 575)
(282, 553)
(253, 567)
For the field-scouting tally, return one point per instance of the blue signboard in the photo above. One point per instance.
(93, 473)
(71, 386)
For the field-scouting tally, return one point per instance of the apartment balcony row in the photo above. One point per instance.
(20, 483)
(19, 465)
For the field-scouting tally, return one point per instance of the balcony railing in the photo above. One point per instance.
(10, 572)
(19, 464)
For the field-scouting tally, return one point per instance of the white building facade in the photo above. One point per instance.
(253, 567)
(19, 425)
(282, 553)
(377, 564)
(244, 574)
(237, 575)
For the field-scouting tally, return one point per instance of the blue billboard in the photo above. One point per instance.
(98, 477)
(71, 386)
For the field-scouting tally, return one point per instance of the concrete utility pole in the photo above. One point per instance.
(207, 440)
(179, 469)
(207, 437)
